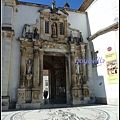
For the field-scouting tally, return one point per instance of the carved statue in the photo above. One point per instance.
(29, 66)
(77, 68)
(35, 33)
(54, 30)
(53, 4)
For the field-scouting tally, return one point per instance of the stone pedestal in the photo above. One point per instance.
(35, 95)
(21, 95)
(86, 92)
(28, 96)
(76, 95)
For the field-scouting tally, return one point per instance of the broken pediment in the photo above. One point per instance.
(31, 31)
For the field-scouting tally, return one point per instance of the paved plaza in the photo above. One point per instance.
(91, 112)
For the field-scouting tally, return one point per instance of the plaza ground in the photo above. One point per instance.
(56, 112)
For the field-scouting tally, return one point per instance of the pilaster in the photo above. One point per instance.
(7, 37)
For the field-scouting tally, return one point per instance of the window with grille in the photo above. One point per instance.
(94, 58)
(47, 27)
(61, 29)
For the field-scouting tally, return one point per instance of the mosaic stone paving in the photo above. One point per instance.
(77, 113)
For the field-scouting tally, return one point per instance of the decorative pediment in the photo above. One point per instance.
(52, 26)
(53, 9)
(31, 31)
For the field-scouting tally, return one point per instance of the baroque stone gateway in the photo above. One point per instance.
(51, 44)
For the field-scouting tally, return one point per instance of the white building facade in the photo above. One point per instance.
(38, 37)
(103, 22)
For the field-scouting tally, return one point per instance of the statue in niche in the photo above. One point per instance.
(77, 68)
(29, 66)
(54, 30)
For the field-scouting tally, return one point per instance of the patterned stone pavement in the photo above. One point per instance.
(99, 112)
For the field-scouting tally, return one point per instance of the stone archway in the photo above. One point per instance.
(57, 78)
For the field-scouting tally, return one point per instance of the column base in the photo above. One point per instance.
(5, 103)
(35, 95)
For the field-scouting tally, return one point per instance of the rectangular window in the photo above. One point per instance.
(95, 58)
(47, 27)
(61, 29)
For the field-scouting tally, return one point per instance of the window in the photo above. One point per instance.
(61, 29)
(94, 58)
(47, 27)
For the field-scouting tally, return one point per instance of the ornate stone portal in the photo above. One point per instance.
(51, 35)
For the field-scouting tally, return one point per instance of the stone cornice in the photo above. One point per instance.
(7, 34)
(85, 5)
(32, 4)
(103, 31)
(11, 2)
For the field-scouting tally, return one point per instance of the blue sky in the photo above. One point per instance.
(74, 4)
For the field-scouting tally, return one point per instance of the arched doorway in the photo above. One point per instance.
(57, 78)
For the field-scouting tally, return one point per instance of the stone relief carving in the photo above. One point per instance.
(35, 95)
(30, 32)
(21, 96)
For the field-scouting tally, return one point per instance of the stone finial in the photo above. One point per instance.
(66, 5)
(53, 4)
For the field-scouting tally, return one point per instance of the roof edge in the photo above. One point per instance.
(85, 5)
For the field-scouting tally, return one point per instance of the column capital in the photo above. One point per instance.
(36, 50)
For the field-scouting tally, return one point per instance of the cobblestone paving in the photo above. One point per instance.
(102, 112)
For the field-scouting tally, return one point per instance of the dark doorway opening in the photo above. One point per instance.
(57, 78)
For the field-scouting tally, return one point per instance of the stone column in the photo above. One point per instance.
(36, 87)
(36, 68)
(22, 67)
(7, 37)
(83, 65)
(78, 73)
(41, 74)
(22, 89)
(68, 78)
(84, 86)
(75, 87)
